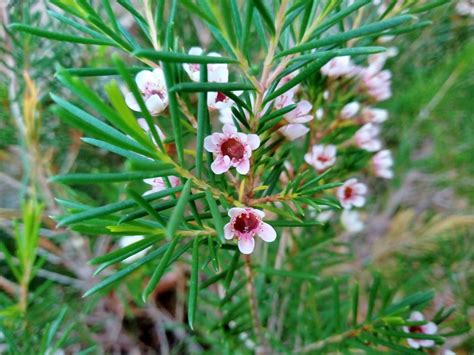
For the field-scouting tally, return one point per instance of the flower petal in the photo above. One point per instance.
(253, 140)
(220, 165)
(235, 211)
(243, 167)
(209, 144)
(246, 245)
(131, 102)
(266, 232)
(143, 78)
(228, 231)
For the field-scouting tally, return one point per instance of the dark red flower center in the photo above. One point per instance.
(233, 149)
(416, 329)
(150, 90)
(220, 97)
(246, 222)
(323, 158)
(348, 192)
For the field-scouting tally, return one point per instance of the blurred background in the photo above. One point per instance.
(418, 234)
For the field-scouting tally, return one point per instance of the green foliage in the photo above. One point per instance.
(287, 297)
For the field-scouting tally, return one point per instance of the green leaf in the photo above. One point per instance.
(373, 296)
(123, 253)
(216, 215)
(346, 11)
(114, 207)
(146, 206)
(164, 170)
(174, 113)
(100, 71)
(288, 273)
(304, 74)
(206, 87)
(339, 53)
(193, 284)
(373, 28)
(174, 57)
(104, 131)
(266, 15)
(160, 269)
(281, 223)
(127, 270)
(203, 121)
(177, 216)
(58, 36)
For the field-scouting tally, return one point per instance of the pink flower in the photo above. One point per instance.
(321, 157)
(428, 328)
(378, 84)
(216, 73)
(293, 131)
(244, 224)
(159, 184)
(367, 138)
(219, 100)
(374, 115)
(350, 110)
(301, 113)
(286, 98)
(382, 163)
(352, 193)
(295, 128)
(231, 149)
(152, 86)
(337, 67)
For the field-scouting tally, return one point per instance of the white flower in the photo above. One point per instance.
(131, 239)
(352, 193)
(225, 116)
(144, 125)
(321, 157)
(382, 163)
(293, 131)
(152, 87)
(350, 110)
(159, 184)
(367, 138)
(428, 328)
(374, 115)
(465, 8)
(350, 220)
(319, 114)
(337, 67)
(216, 73)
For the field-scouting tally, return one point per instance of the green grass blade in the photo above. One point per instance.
(193, 284)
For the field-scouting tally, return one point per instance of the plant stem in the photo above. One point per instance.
(257, 325)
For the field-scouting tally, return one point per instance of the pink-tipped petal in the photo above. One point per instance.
(155, 105)
(220, 165)
(413, 343)
(229, 129)
(228, 232)
(209, 144)
(259, 213)
(243, 167)
(267, 233)
(430, 328)
(143, 78)
(253, 140)
(131, 102)
(416, 316)
(235, 211)
(246, 245)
